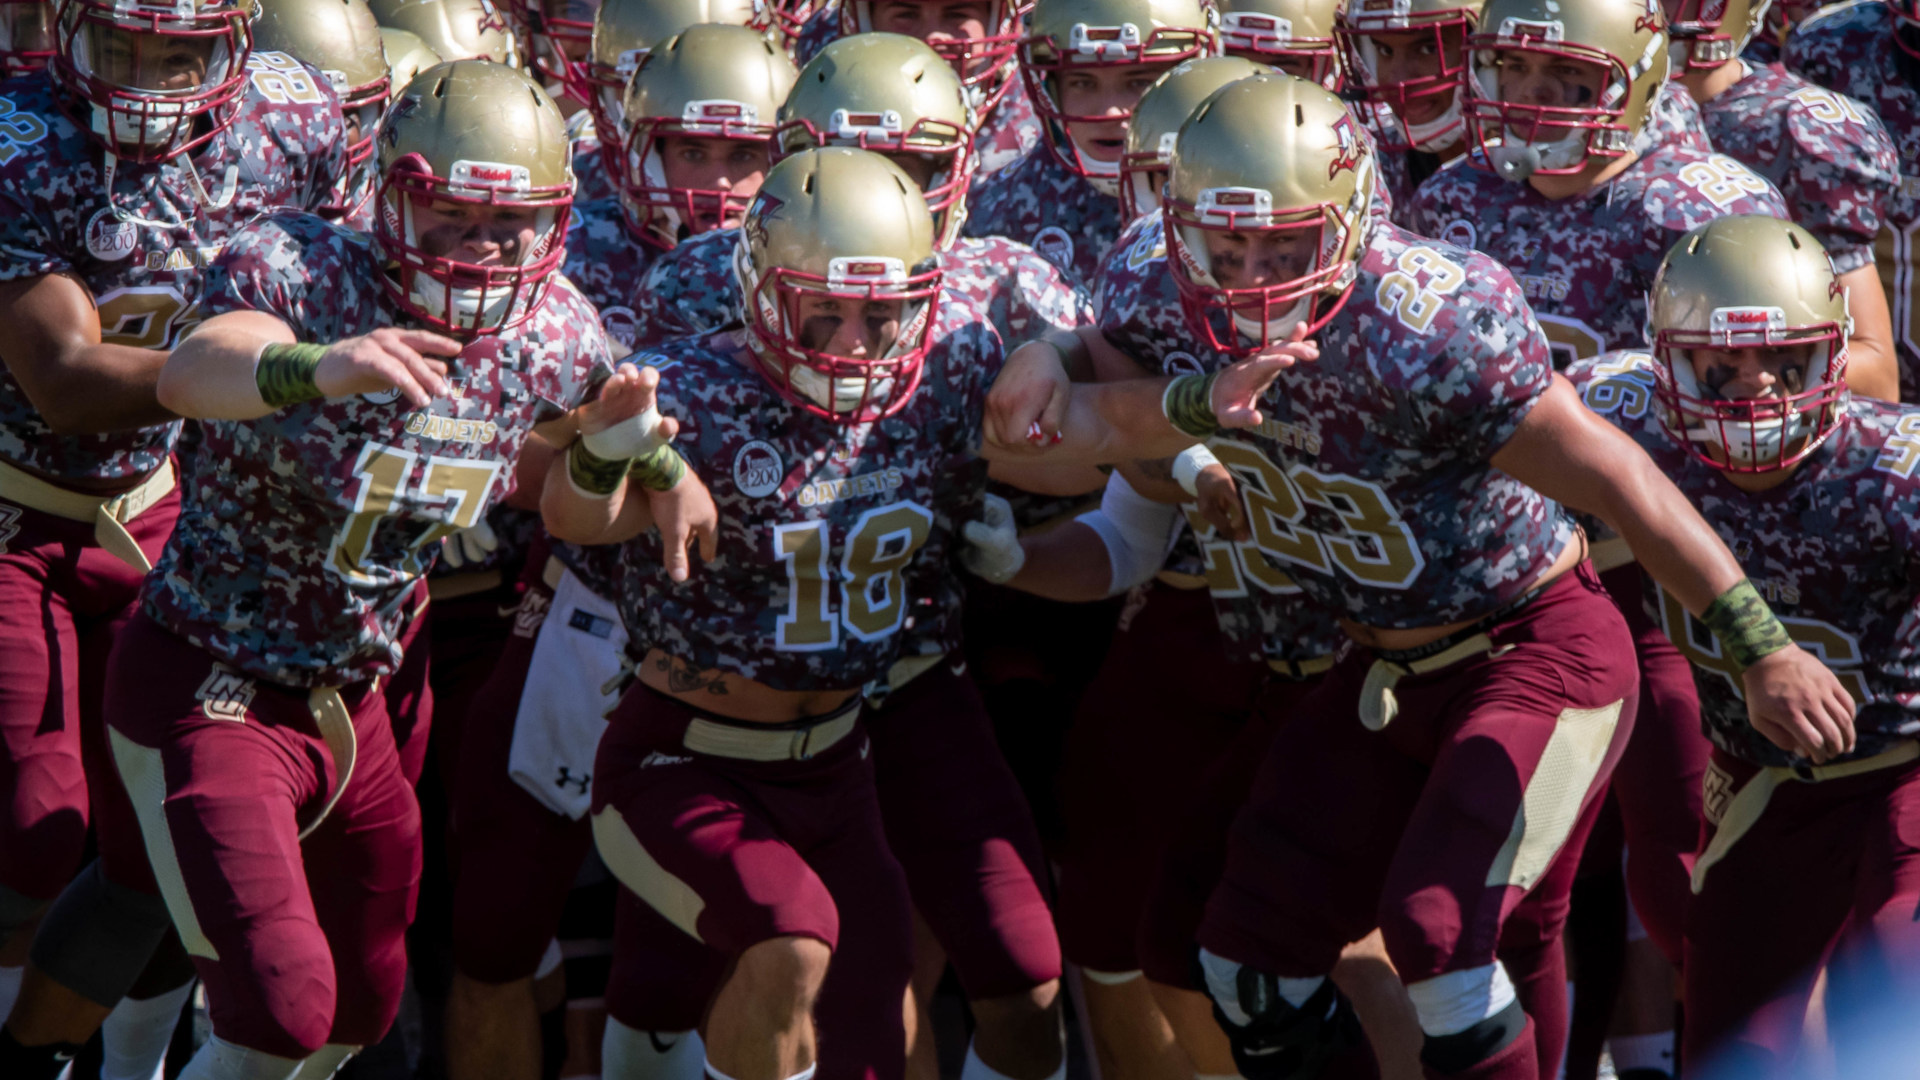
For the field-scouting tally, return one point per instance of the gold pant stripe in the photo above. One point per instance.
(630, 862)
(1551, 803)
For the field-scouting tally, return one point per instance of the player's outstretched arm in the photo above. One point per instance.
(1097, 555)
(1108, 423)
(242, 365)
(78, 384)
(1568, 453)
(621, 477)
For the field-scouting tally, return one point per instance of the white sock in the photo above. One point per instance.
(975, 1069)
(136, 1035)
(1653, 1051)
(631, 1054)
(9, 988)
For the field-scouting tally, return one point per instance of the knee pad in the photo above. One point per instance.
(1462, 1050)
(1457, 1000)
(16, 910)
(631, 1054)
(98, 935)
(222, 1060)
(1270, 1038)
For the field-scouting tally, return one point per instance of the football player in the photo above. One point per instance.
(624, 31)
(1866, 51)
(1828, 154)
(1085, 62)
(1295, 36)
(361, 398)
(1409, 789)
(343, 41)
(894, 95)
(698, 85)
(733, 791)
(1562, 189)
(978, 37)
(1406, 60)
(154, 134)
(1743, 402)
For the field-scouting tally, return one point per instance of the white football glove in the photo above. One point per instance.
(993, 548)
(469, 546)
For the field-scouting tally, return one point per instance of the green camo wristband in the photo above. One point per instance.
(592, 475)
(1188, 403)
(658, 469)
(1743, 622)
(285, 374)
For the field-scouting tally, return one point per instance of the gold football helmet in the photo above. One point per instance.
(893, 95)
(1295, 36)
(1275, 163)
(453, 29)
(1065, 34)
(407, 55)
(624, 31)
(710, 81)
(1564, 122)
(1423, 80)
(1157, 119)
(477, 133)
(846, 225)
(1750, 281)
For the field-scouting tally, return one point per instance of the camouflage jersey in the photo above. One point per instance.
(693, 291)
(1835, 550)
(287, 144)
(1673, 120)
(302, 532)
(591, 179)
(1040, 203)
(1829, 156)
(1368, 482)
(832, 536)
(606, 258)
(1263, 613)
(1007, 130)
(1850, 50)
(1586, 262)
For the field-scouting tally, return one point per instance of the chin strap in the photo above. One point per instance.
(229, 187)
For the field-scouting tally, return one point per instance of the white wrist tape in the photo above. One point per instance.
(630, 438)
(1187, 465)
(1136, 531)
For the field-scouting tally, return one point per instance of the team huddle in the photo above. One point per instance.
(1231, 523)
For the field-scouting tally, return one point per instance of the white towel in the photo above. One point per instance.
(562, 710)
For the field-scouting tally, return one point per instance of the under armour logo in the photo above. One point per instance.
(225, 694)
(579, 783)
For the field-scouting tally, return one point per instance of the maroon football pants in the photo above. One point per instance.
(736, 852)
(1164, 707)
(1434, 828)
(299, 943)
(63, 601)
(1830, 872)
(514, 859)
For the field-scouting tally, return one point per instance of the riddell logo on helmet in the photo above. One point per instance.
(1234, 198)
(1346, 154)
